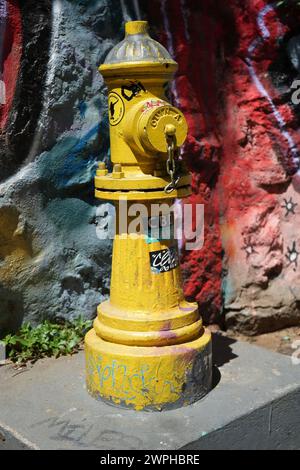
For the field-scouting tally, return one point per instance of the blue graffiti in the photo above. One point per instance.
(131, 384)
(85, 139)
(82, 108)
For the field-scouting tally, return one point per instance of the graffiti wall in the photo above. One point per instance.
(239, 62)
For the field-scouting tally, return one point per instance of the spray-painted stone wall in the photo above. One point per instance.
(238, 61)
(54, 130)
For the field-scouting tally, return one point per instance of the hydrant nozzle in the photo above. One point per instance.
(148, 348)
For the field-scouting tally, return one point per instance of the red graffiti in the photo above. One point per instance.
(243, 140)
(11, 35)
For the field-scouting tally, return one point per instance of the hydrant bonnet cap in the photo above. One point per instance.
(138, 46)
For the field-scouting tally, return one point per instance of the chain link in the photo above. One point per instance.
(171, 164)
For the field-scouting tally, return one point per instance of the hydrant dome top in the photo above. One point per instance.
(138, 47)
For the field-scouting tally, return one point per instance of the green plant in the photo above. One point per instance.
(46, 340)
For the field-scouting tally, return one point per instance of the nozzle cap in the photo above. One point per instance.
(156, 125)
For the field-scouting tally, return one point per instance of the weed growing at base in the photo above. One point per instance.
(46, 340)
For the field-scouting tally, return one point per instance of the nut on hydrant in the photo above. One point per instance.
(102, 170)
(170, 130)
(117, 171)
(148, 349)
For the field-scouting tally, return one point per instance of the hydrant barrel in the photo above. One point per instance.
(148, 349)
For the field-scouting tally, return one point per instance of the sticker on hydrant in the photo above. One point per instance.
(116, 109)
(163, 261)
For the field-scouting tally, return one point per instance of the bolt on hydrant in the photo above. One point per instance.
(148, 349)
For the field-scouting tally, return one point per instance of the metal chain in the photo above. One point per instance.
(171, 164)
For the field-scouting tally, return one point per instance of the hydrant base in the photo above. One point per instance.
(148, 378)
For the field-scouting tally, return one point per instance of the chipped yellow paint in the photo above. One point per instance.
(148, 348)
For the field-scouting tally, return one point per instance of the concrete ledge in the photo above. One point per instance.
(255, 405)
(12, 440)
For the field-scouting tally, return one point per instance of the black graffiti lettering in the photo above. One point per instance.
(130, 91)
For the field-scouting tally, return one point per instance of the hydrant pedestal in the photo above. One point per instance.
(148, 349)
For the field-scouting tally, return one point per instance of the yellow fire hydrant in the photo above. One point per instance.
(148, 349)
